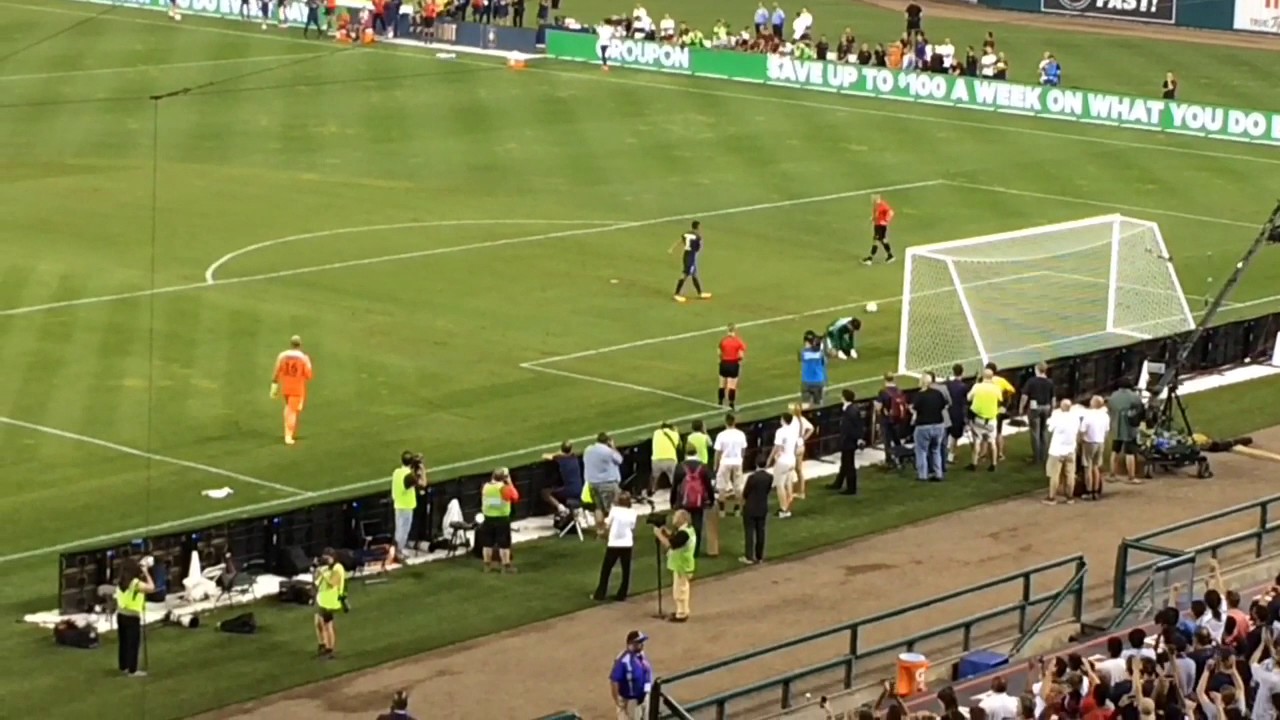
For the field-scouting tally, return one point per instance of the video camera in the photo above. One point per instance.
(656, 519)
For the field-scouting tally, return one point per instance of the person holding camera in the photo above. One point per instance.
(132, 589)
(331, 597)
(679, 543)
(494, 535)
(406, 480)
(621, 524)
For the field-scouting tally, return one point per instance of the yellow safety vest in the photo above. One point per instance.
(664, 444)
(681, 560)
(492, 504)
(131, 601)
(330, 585)
(986, 400)
(403, 498)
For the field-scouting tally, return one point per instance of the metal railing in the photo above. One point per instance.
(1250, 544)
(858, 648)
(1074, 589)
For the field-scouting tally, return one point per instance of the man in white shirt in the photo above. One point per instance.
(1094, 427)
(666, 28)
(1268, 682)
(1064, 433)
(783, 462)
(987, 64)
(730, 447)
(604, 38)
(801, 25)
(999, 704)
(621, 523)
(948, 53)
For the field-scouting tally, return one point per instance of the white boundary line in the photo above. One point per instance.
(472, 246)
(166, 66)
(623, 385)
(217, 264)
(151, 456)
(421, 54)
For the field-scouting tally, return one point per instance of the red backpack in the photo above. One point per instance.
(899, 410)
(693, 491)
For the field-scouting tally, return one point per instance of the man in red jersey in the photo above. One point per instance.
(732, 350)
(881, 216)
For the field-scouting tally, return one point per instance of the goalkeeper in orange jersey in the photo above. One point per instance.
(292, 373)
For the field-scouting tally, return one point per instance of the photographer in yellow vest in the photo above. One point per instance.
(131, 602)
(331, 597)
(679, 543)
(406, 480)
(496, 498)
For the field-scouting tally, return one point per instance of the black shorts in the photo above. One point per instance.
(730, 370)
(1124, 447)
(689, 263)
(494, 533)
(326, 616)
(428, 22)
(880, 233)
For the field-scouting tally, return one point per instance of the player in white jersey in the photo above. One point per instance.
(604, 38)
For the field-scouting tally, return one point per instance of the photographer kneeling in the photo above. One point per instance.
(679, 543)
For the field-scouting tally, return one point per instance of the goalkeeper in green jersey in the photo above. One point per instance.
(841, 338)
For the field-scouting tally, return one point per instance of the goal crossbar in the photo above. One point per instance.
(936, 248)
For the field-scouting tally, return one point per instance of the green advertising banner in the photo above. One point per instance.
(1127, 111)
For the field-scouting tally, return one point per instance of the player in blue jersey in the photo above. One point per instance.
(691, 244)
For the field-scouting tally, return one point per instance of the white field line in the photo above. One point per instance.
(472, 246)
(536, 364)
(145, 68)
(616, 77)
(1099, 203)
(151, 456)
(623, 385)
(217, 264)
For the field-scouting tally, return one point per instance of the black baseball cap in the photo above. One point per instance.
(635, 636)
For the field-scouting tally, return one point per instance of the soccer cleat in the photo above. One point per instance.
(866, 261)
(679, 298)
(289, 441)
(890, 259)
(853, 354)
(705, 296)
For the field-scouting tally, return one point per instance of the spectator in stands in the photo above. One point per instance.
(1138, 645)
(999, 704)
(399, 707)
(602, 470)
(1214, 616)
(569, 468)
(1114, 669)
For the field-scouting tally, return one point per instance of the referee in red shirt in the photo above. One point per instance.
(881, 216)
(732, 350)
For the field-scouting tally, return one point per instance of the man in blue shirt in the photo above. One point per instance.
(602, 469)
(631, 677)
(779, 21)
(1052, 75)
(813, 370)
(570, 490)
(761, 19)
(691, 242)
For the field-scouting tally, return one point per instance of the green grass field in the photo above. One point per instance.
(431, 227)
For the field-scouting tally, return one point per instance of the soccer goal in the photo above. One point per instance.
(1035, 294)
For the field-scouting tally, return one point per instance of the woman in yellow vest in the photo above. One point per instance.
(331, 591)
(131, 602)
(679, 544)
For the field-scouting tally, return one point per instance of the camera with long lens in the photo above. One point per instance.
(656, 519)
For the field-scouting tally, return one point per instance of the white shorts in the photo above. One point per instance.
(784, 474)
(729, 480)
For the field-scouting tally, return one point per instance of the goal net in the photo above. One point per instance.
(1035, 294)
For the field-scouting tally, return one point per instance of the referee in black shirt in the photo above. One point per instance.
(1037, 406)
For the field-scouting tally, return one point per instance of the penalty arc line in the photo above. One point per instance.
(774, 98)
(472, 246)
(151, 456)
(213, 269)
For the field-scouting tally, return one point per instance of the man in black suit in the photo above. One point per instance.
(850, 437)
(756, 490)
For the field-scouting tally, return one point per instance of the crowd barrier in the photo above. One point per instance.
(1053, 103)
(1153, 562)
(1029, 611)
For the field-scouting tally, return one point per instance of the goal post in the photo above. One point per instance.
(1038, 293)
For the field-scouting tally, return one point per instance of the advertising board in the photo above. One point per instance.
(1150, 11)
(1258, 16)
